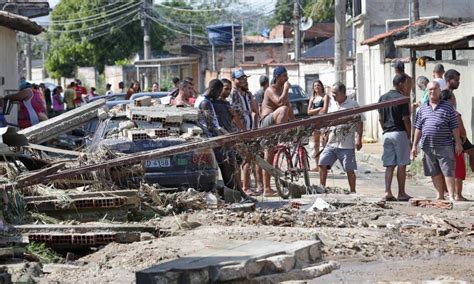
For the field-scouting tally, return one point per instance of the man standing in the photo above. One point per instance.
(342, 140)
(108, 91)
(227, 119)
(435, 125)
(276, 109)
(264, 84)
(243, 103)
(438, 72)
(396, 125)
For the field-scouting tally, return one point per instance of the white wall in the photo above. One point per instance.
(8, 66)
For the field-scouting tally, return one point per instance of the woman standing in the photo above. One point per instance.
(318, 104)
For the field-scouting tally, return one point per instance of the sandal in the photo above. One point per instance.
(270, 194)
(390, 198)
(405, 198)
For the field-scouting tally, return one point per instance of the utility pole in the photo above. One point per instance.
(147, 4)
(233, 44)
(296, 28)
(340, 41)
(190, 35)
(28, 57)
(242, 39)
(414, 15)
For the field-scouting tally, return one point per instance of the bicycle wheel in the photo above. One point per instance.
(282, 161)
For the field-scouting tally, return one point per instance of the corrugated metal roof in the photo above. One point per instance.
(403, 31)
(19, 23)
(326, 48)
(450, 38)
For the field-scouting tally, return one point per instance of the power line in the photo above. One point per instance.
(94, 17)
(101, 7)
(94, 27)
(169, 28)
(191, 10)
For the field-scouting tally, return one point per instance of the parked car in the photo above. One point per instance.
(299, 101)
(197, 168)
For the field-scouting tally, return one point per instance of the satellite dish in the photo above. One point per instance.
(306, 24)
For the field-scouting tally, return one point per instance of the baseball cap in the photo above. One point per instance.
(279, 70)
(239, 73)
(24, 85)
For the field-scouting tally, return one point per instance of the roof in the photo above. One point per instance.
(450, 38)
(326, 48)
(19, 23)
(403, 31)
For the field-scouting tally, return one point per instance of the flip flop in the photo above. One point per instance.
(251, 193)
(405, 199)
(391, 198)
(271, 194)
(461, 199)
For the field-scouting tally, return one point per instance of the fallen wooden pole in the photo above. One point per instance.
(320, 121)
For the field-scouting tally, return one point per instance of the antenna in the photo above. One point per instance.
(306, 24)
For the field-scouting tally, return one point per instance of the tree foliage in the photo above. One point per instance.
(97, 42)
(318, 10)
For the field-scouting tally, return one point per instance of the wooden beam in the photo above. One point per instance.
(63, 123)
(54, 150)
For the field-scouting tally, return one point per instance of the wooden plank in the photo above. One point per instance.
(32, 176)
(325, 120)
(54, 150)
(63, 123)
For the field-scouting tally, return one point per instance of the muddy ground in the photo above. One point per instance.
(372, 242)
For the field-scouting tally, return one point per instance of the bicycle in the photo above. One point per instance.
(293, 162)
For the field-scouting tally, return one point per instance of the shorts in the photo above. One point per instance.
(396, 149)
(267, 120)
(439, 160)
(460, 167)
(345, 156)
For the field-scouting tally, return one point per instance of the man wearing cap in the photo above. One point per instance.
(276, 109)
(241, 100)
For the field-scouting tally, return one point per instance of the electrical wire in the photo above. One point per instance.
(92, 18)
(191, 10)
(94, 27)
(171, 29)
(101, 7)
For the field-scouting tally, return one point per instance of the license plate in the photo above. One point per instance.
(161, 163)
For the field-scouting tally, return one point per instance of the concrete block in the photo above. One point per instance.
(102, 114)
(282, 263)
(191, 129)
(232, 272)
(315, 253)
(174, 118)
(142, 101)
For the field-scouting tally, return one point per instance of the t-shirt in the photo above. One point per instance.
(224, 116)
(441, 82)
(342, 136)
(242, 104)
(69, 95)
(259, 96)
(436, 124)
(392, 117)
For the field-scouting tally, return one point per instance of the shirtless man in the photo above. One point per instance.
(276, 109)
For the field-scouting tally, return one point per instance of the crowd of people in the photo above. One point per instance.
(228, 106)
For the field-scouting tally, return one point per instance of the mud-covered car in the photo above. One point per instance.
(197, 169)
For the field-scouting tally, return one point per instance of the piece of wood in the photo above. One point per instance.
(32, 176)
(54, 150)
(63, 123)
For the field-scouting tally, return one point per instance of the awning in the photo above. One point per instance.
(19, 23)
(450, 38)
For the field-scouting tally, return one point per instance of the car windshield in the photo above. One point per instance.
(296, 93)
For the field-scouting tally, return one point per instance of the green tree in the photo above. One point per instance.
(318, 10)
(95, 33)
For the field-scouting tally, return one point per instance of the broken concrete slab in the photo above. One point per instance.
(237, 261)
(63, 123)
